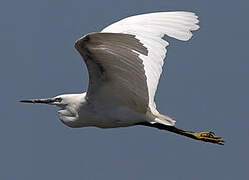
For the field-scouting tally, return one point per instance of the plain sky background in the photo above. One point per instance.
(204, 86)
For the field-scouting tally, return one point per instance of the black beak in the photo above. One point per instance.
(43, 101)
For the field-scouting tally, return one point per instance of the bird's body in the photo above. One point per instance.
(83, 113)
(124, 63)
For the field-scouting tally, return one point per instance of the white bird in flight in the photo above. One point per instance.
(124, 63)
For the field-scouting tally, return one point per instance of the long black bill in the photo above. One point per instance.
(43, 101)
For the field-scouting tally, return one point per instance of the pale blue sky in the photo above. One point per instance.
(204, 86)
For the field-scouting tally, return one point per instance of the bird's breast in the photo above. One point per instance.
(103, 117)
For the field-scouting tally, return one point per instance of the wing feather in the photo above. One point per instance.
(116, 73)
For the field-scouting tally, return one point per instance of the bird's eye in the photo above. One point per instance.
(58, 99)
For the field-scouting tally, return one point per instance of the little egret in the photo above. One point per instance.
(124, 63)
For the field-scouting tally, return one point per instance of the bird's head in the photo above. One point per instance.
(69, 105)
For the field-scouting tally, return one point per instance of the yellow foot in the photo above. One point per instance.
(208, 137)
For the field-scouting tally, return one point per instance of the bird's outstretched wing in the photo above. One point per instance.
(125, 60)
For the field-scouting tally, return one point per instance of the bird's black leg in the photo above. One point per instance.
(203, 136)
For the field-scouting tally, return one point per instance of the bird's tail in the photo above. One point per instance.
(166, 120)
(160, 118)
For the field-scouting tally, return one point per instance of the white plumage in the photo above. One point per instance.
(124, 62)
